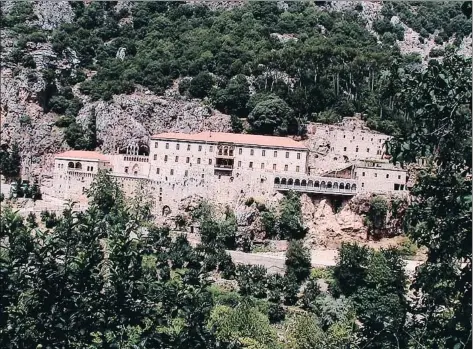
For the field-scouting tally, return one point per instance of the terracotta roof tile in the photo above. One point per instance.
(245, 139)
(82, 154)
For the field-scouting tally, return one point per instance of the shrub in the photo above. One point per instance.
(298, 261)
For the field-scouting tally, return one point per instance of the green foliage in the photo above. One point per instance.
(298, 260)
(233, 99)
(78, 138)
(251, 280)
(273, 116)
(20, 12)
(439, 217)
(408, 248)
(377, 214)
(49, 219)
(10, 161)
(201, 85)
(239, 324)
(290, 223)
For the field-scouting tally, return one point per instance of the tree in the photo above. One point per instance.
(201, 85)
(298, 260)
(272, 116)
(234, 97)
(290, 224)
(439, 217)
(377, 213)
(10, 162)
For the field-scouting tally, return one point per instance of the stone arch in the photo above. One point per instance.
(323, 185)
(304, 183)
(70, 164)
(316, 184)
(329, 185)
(342, 186)
(335, 186)
(353, 187)
(78, 165)
(283, 181)
(297, 182)
(290, 181)
(311, 183)
(225, 150)
(277, 180)
(166, 210)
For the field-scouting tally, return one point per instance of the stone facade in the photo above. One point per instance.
(229, 168)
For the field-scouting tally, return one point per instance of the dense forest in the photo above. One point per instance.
(329, 67)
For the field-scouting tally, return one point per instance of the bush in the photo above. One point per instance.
(408, 248)
(276, 313)
(298, 260)
(251, 280)
(201, 85)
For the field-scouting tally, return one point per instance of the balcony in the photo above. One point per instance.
(322, 185)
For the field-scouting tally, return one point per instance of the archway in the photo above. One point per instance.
(276, 180)
(353, 187)
(329, 185)
(304, 183)
(283, 181)
(297, 182)
(342, 186)
(70, 164)
(323, 185)
(311, 183)
(335, 186)
(317, 184)
(78, 165)
(290, 181)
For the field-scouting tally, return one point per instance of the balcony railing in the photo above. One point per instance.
(306, 189)
(223, 167)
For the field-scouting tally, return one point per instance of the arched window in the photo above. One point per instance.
(70, 165)
(225, 151)
(290, 181)
(317, 184)
(231, 152)
(329, 185)
(304, 183)
(283, 181)
(311, 183)
(276, 180)
(323, 185)
(353, 187)
(79, 165)
(297, 182)
(335, 186)
(219, 150)
(342, 186)
(135, 169)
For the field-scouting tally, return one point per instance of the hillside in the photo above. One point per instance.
(131, 65)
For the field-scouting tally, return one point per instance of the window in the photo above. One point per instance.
(92, 168)
(344, 136)
(297, 168)
(356, 149)
(177, 146)
(371, 139)
(274, 167)
(155, 144)
(200, 148)
(285, 167)
(210, 161)
(363, 174)
(177, 159)
(186, 173)
(262, 165)
(155, 157)
(202, 175)
(362, 138)
(367, 150)
(165, 158)
(387, 176)
(287, 155)
(240, 151)
(157, 171)
(251, 164)
(396, 186)
(353, 137)
(88, 168)
(252, 152)
(188, 159)
(376, 175)
(298, 156)
(188, 147)
(275, 154)
(239, 163)
(362, 185)
(211, 148)
(263, 152)
(172, 172)
(198, 161)
(167, 145)
(399, 177)
(126, 169)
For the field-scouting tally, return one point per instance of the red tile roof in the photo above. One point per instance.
(244, 139)
(82, 154)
